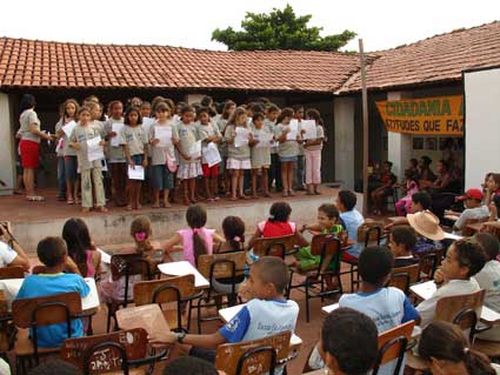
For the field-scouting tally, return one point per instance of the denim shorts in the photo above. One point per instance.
(162, 178)
(71, 168)
(287, 159)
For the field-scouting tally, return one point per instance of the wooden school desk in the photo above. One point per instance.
(183, 268)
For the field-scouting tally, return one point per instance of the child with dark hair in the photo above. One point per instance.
(260, 154)
(474, 209)
(233, 229)
(312, 152)
(349, 343)
(195, 240)
(464, 259)
(352, 218)
(188, 365)
(444, 347)
(402, 240)
(489, 279)
(53, 254)
(267, 314)
(387, 180)
(403, 206)
(387, 306)
(55, 366)
(272, 113)
(288, 149)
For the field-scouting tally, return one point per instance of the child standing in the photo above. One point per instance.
(189, 165)
(288, 150)
(195, 240)
(90, 171)
(53, 254)
(403, 206)
(238, 138)
(260, 154)
(134, 146)
(67, 161)
(272, 114)
(208, 133)
(116, 157)
(298, 114)
(312, 152)
(163, 163)
(227, 111)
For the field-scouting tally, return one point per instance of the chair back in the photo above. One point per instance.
(231, 358)
(127, 265)
(370, 232)
(466, 319)
(276, 246)
(222, 265)
(447, 308)
(403, 277)
(429, 263)
(392, 345)
(83, 353)
(467, 232)
(14, 272)
(328, 247)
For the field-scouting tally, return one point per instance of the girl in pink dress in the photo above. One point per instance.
(403, 206)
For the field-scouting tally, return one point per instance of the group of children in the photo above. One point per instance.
(153, 145)
(348, 342)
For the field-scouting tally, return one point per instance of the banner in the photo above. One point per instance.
(442, 115)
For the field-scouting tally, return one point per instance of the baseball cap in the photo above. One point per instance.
(472, 194)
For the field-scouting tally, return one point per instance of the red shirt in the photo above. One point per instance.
(276, 228)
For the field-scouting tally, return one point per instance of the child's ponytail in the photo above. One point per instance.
(196, 217)
(477, 363)
(199, 245)
(234, 232)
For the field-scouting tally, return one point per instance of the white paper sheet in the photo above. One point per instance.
(59, 145)
(68, 128)
(117, 140)
(241, 138)
(136, 173)
(195, 150)
(105, 257)
(294, 130)
(183, 268)
(265, 140)
(92, 299)
(94, 149)
(147, 122)
(164, 134)
(211, 154)
(309, 126)
(453, 236)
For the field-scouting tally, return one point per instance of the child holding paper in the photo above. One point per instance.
(189, 165)
(210, 137)
(134, 143)
(66, 156)
(288, 150)
(261, 154)
(238, 137)
(116, 157)
(162, 137)
(312, 151)
(90, 168)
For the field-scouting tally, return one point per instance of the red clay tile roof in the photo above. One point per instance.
(29, 63)
(436, 59)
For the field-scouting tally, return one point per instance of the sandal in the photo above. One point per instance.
(70, 201)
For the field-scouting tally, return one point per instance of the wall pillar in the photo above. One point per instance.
(344, 140)
(7, 151)
(399, 145)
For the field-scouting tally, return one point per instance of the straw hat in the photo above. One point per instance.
(426, 224)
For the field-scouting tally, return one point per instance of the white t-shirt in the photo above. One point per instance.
(489, 280)
(472, 213)
(427, 308)
(7, 254)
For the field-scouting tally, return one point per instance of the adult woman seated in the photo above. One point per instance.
(442, 190)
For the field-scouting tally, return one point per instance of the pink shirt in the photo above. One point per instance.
(187, 242)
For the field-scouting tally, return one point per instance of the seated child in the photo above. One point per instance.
(112, 290)
(474, 209)
(348, 343)
(267, 314)
(233, 229)
(189, 366)
(430, 233)
(195, 240)
(328, 223)
(489, 280)
(403, 206)
(464, 259)
(387, 306)
(420, 201)
(402, 240)
(52, 253)
(346, 204)
(445, 349)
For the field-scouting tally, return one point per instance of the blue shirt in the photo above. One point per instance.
(43, 285)
(352, 221)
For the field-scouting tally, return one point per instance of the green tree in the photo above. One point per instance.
(280, 29)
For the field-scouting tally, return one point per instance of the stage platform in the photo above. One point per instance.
(32, 221)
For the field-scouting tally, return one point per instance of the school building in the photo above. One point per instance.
(414, 91)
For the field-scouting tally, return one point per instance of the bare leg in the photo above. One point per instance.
(264, 181)
(254, 182)
(192, 188)
(241, 173)
(156, 198)
(284, 177)
(234, 183)
(166, 198)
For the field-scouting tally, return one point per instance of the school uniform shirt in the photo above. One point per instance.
(7, 254)
(43, 285)
(287, 148)
(187, 137)
(135, 138)
(489, 280)
(270, 125)
(27, 118)
(66, 150)
(205, 131)
(221, 125)
(260, 156)
(427, 308)
(238, 153)
(115, 154)
(352, 221)
(82, 134)
(480, 212)
(320, 134)
(160, 154)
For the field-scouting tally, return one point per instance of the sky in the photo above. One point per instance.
(382, 24)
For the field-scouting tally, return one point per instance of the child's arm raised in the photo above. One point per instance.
(169, 244)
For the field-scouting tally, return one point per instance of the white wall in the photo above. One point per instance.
(344, 141)
(399, 145)
(7, 155)
(482, 125)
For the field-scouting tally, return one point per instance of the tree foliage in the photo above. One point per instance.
(280, 29)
